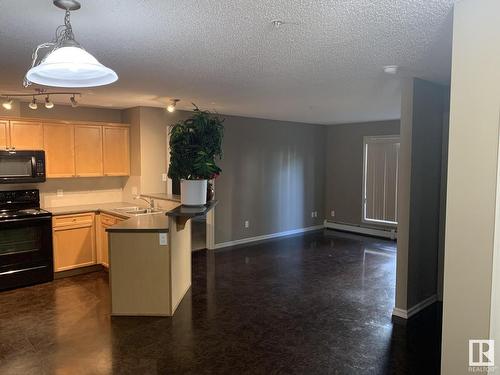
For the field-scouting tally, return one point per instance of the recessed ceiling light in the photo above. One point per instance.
(391, 69)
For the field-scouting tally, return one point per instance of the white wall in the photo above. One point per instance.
(472, 182)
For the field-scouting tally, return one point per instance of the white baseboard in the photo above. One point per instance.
(407, 314)
(391, 234)
(267, 236)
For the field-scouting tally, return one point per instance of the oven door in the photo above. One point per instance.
(25, 252)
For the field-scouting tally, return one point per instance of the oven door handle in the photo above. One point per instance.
(26, 219)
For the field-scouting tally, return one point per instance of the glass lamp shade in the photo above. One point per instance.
(71, 67)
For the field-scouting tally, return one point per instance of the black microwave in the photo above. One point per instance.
(23, 166)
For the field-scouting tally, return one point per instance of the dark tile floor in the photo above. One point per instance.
(314, 304)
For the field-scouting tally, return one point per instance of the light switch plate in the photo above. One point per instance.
(164, 177)
(134, 190)
(163, 239)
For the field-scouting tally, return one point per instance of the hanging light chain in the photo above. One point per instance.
(63, 34)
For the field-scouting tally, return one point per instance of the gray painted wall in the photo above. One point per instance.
(344, 168)
(273, 176)
(419, 199)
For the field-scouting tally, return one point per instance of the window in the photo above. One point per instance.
(380, 180)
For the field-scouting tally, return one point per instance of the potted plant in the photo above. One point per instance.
(195, 144)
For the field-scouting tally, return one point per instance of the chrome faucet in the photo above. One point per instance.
(151, 201)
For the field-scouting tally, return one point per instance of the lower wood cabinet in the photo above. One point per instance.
(74, 241)
(104, 221)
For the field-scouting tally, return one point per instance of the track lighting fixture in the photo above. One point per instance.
(48, 103)
(7, 104)
(66, 63)
(171, 106)
(33, 104)
(73, 101)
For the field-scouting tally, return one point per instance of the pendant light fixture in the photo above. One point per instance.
(67, 64)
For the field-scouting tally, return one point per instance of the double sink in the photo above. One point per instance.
(138, 211)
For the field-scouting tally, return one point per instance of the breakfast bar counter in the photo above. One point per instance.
(150, 262)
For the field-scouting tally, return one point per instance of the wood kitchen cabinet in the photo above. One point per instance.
(116, 155)
(26, 135)
(72, 149)
(88, 150)
(4, 134)
(59, 146)
(74, 241)
(105, 221)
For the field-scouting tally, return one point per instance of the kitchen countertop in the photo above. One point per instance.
(97, 207)
(157, 222)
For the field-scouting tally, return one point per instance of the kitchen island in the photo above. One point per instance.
(150, 262)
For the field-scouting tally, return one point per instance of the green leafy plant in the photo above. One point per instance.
(195, 144)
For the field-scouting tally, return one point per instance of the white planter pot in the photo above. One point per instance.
(193, 192)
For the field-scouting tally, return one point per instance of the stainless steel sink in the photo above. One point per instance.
(136, 211)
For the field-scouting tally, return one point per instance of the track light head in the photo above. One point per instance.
(33, 104)
(48, 103)
(7, 104)
(73, 101)
(171, 106)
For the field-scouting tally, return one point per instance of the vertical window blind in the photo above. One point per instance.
(380, 179)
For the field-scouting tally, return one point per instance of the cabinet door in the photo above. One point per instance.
(88, 150)
(58, 143)
(74, 246)
(106, 221)
(26, 135)
(4, 134)
(116, 151)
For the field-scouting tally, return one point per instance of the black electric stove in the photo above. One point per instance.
(25, 240)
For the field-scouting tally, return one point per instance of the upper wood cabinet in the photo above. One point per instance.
(4, 134)
(26, 135)
(72, 149)
(88, 150)
(116, 151)
(59, 146)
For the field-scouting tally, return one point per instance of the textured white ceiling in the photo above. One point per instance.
(323, 66)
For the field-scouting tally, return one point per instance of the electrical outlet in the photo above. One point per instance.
(163, 239)
(60, 192)
(164, 177)
(247, 224)
(134, 191)
(332, 213)
(312, 214)
(315, 213)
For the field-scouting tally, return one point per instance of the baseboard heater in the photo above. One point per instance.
(377, 232)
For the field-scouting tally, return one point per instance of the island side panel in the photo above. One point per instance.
(139, 275)
(180, 259)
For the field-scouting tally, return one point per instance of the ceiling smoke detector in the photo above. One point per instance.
(277, 23)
